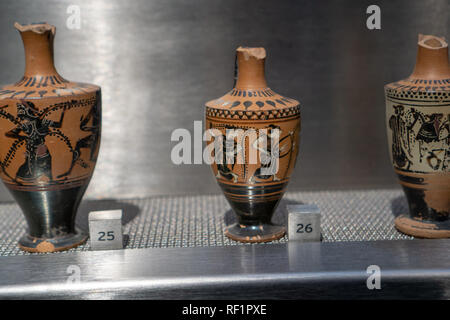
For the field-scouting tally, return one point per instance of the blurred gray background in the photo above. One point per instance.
(158, 62)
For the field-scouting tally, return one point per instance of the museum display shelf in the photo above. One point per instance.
(175, 249)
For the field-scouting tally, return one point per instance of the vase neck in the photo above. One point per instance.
(432, 59)
(250, 68)
(38, 44)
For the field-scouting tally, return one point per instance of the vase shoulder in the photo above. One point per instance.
(41, 79)
(253, 104)
(42, 87)
(419, 85)
(431, 74)
(419, 90)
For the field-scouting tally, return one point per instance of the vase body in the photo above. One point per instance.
(255, 173)
(49, 142)
(417, 117)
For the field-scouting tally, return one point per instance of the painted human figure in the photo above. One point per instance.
(413, 129)
(428, 132)
(271, 153)
(229, 158)
(90, 142)
(398, 127)
(430, 135)
(438, 153)
(444, 135)
(33, 129)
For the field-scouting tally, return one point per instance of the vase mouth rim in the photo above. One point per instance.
(39, 28)
(258, 53)
(432, 42)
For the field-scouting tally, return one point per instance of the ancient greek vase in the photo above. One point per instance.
(418, 116)
(49, 142)
(260, 138)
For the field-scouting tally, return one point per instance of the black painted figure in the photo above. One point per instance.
(33, 129)
(398, 127)
(49, 143)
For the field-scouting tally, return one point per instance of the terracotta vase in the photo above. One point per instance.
(49, 142)
(418, 116)
(254, 174)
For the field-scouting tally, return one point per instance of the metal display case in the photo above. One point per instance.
(157, 63)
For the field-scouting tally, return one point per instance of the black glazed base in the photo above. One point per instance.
(254, 233)
(32, 244)
(423, 228)
(50, 213)
(254, 206)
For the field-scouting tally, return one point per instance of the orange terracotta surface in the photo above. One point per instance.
(259, 113)
(52, 100)
(418, 118)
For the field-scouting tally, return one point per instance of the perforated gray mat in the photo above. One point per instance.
(193, 221)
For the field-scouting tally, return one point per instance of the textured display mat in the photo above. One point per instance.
(196, 221)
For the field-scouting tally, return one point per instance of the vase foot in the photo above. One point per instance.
(423, 229)
(258, 233)
(42, 245)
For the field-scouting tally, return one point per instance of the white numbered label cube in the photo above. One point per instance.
(304, 223)
(105, 230)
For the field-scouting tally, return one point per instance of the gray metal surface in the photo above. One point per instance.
(159, 61)
(198, 221)
(417, 269)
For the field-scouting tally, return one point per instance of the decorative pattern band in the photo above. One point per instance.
(51, 187)
(254, 114)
